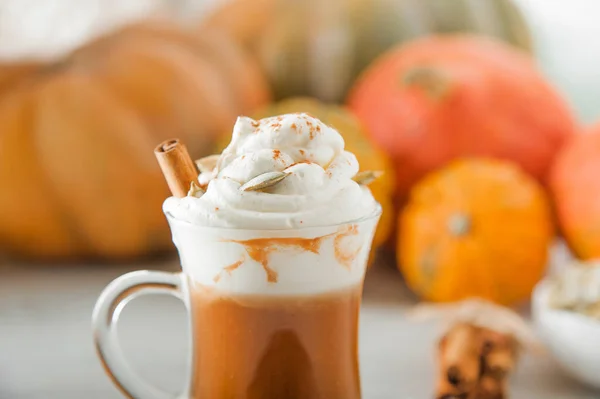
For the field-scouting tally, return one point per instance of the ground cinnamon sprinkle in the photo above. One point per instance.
(302, 152)
(298, 163)
(293, 126)
(276, 154)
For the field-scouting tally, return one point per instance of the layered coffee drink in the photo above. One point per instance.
(295, 347)
(274, 244)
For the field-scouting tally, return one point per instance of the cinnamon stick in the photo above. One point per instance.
(475, 362)
(177, 166)
(480, 347)
(459, 366)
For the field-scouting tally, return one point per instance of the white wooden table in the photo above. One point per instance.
(46, 349)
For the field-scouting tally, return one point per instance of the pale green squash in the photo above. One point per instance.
(318, 47)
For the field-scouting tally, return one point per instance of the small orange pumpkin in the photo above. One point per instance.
(475, 228)
(575, 183)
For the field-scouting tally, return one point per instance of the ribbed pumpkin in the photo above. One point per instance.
(575, 183)
(441, 98)
(477, 228)
(317, 48)
(369, 156)
(77, 138)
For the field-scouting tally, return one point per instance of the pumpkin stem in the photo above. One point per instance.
(459, 224)
(431, 80)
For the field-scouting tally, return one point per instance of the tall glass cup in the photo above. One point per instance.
(274, 313)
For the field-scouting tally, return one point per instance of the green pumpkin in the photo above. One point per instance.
(318, 48)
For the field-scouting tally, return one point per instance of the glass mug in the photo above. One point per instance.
(274, 313)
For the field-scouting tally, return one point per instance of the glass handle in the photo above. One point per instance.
(105, 318)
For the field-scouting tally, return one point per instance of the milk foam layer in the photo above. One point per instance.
(309, 233)
(291, 262)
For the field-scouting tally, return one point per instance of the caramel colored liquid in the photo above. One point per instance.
(255, 347)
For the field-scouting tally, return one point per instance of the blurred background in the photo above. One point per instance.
(482, 113)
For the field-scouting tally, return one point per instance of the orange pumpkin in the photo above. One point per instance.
(369, 156)
(576, 189)
(442, 98)
(475, 228)
(77, 138)
(243, 75)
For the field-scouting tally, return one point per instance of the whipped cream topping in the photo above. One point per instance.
(318, 190)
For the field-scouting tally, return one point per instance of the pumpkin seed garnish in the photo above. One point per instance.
(367, 177)
(195, 189)
(207, 164)
(263, 181)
